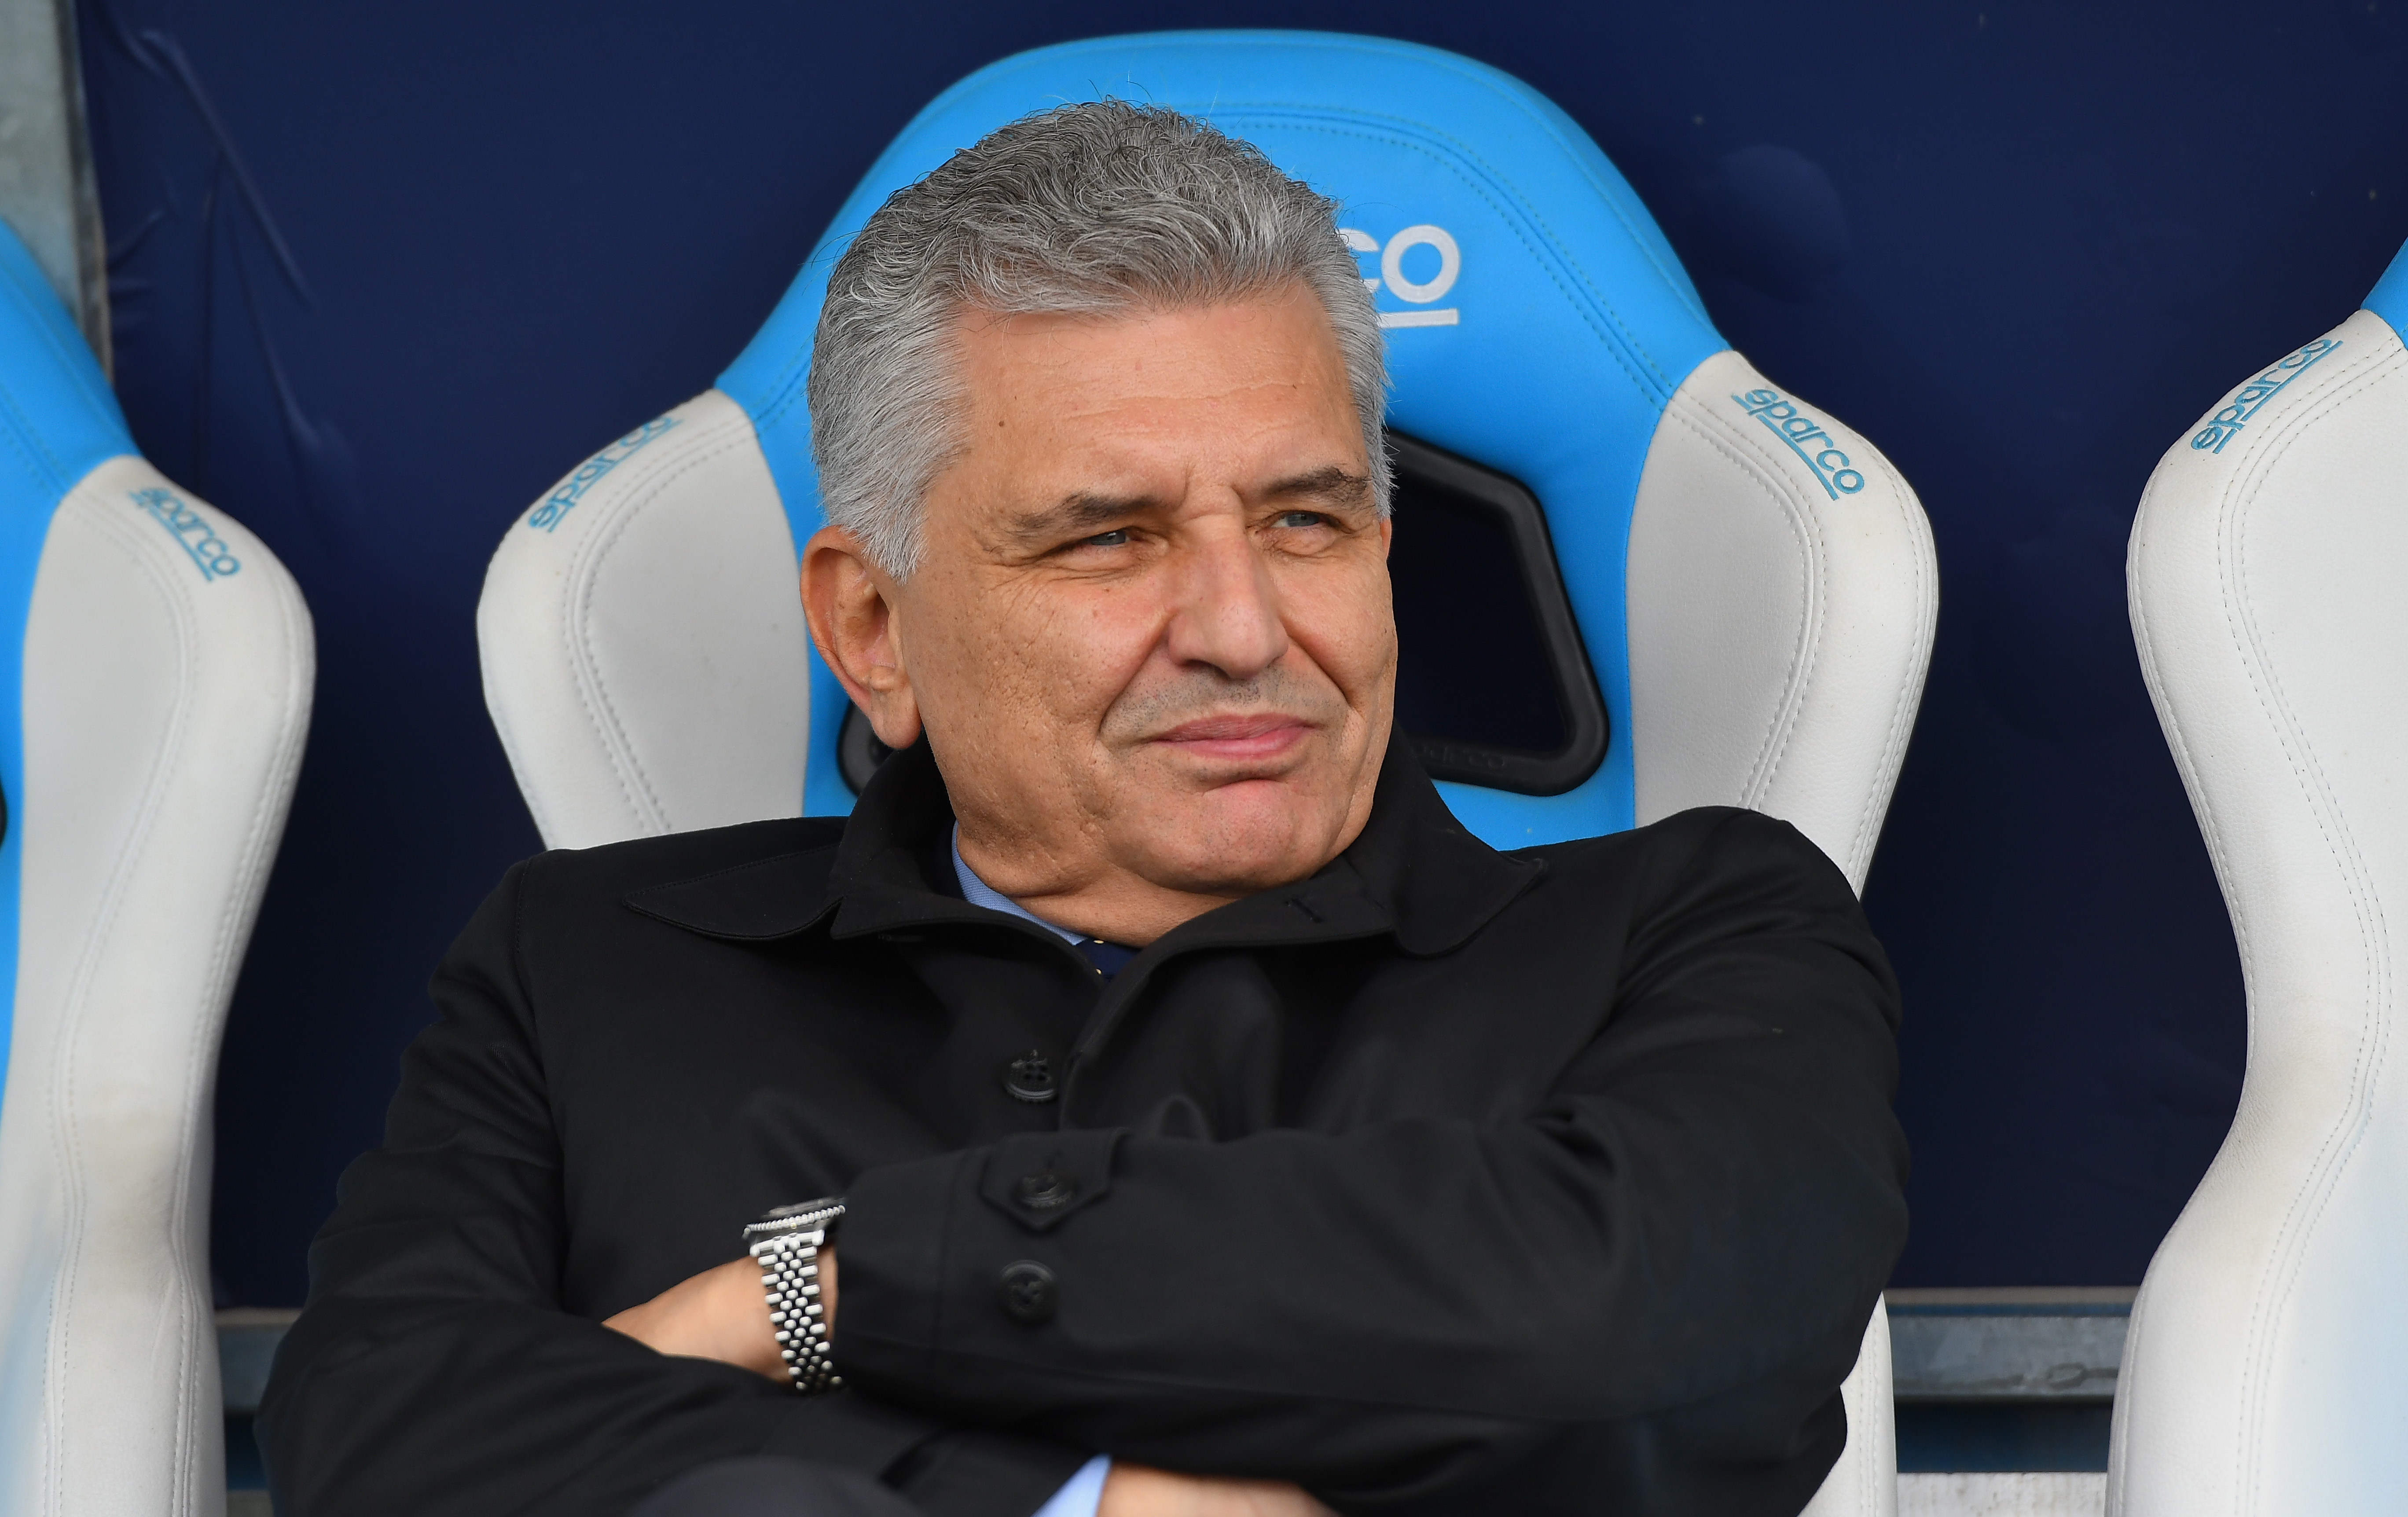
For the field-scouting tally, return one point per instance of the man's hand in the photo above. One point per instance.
(722, 1315)
(1136, 1491)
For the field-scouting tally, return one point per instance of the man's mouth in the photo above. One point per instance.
(1240, 738)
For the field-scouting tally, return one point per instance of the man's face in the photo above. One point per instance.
(1150, 637)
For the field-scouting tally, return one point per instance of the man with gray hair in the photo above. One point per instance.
(1149, 1100)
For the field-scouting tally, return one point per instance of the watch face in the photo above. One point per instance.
(802, 1217)
(804, 1209)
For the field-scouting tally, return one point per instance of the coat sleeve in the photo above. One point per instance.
(1682, 1243)
(434, 1369)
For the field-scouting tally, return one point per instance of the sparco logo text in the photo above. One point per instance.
(1806, 438)
(193, 533)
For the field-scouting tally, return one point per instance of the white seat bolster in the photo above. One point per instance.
(1780, 625)
(650, 595)
(1864, 1483)
(168, 664)
(2266, 1370)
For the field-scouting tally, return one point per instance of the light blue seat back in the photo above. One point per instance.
(1538, 322)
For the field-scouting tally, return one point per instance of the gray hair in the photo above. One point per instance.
(1103, 207)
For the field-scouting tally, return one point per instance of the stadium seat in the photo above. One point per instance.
(155, 666)
(2266, 1371)
(1717, 592)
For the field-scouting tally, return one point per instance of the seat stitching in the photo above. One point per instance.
(1537, 119)
(246, 890)
(644, 492)
(239, 912)
(2221, 858)
(232, 927)
(1324, 117)
(2248, 480)
(2240, 493)
(574, 585)
(708, 445)
(1618, 342)
(1758, 471)
(1904, 704)
(66, 1142)
(2367, 901)
(1528, 209)
(1811, 649)
(785, 388)
(1908, 699)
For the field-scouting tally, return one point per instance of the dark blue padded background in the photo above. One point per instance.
(381, 277)
(1547, 351)
(58, 421)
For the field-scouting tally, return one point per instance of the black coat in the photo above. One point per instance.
(1445, 1180)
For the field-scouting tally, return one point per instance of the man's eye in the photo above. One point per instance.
(1117, 537)
(1301, 520)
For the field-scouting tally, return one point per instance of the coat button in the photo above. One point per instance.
(1046, 1191)
(1029, 1078)
(1027, 1290)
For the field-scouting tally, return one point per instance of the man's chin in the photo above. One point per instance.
(1240, 839)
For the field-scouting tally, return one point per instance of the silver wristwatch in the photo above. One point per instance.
(786, 1244)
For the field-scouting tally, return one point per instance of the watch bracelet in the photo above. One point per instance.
(786, 1245)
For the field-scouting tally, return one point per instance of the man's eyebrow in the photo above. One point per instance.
(1333, 483)
(1073, 516)
(1088, 512)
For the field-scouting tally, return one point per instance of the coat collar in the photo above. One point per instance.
(1414, 872)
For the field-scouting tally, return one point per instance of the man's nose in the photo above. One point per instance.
(1227, 610)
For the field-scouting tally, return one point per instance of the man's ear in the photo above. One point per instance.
(850, 605)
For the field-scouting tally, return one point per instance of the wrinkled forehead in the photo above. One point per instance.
(1067, 424)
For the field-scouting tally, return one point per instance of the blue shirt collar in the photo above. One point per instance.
(978, 893)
